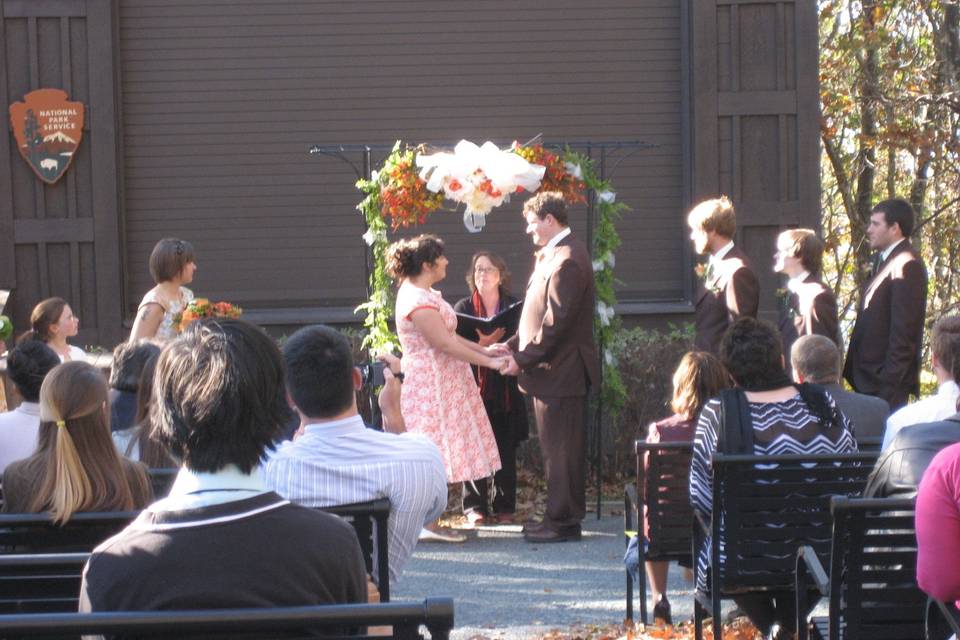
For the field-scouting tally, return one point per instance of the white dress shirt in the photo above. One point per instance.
(715, 258)
(795, 283)
(936, 407)
(555, 240)
(886, 252)
(18, 433)
(195, 489)
(343, 462)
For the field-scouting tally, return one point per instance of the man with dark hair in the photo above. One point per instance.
(129, 359)
(27, 365)
(807, 306)
(728, 288)
(555, 356)
(913, 447)
(336, 460)
(816, 359)
(221, 539)
(883, 359)
(944, 342)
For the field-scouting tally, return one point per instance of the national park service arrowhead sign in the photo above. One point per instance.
(48, 129)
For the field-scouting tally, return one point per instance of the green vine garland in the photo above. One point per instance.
(606, 240)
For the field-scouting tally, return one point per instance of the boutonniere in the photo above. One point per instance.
(785, 303)
(705, 272)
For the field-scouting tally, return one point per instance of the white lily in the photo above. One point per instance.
(369, 237)
(597, 265)
(607, 196)
(605, 312)
(574, 169)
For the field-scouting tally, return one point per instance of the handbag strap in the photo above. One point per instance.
(735, 435)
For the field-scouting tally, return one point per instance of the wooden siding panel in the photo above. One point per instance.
(60, 235)
(755, 112)
(221, 101)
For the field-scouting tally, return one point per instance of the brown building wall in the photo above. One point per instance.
(201, 115)
(222, 100)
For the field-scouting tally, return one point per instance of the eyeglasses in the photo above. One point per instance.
(486, 270)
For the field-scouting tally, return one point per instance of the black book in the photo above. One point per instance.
(508, 319)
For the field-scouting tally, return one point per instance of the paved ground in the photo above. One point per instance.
(504, 587)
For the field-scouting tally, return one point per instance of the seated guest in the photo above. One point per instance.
(52, 321)
(222, 539)
(139, 441)
(944, 404)
(699, 377)
(902, 464)
(816, 359)
(785, 418)
(75, 467)
(129, 358)
(337, 460)
(938, 527)
(27, 365)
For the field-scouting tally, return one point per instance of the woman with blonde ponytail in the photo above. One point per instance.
(75, 467)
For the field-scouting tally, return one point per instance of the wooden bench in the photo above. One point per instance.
(771, 505)
(663, 489)
(286, 622)
(36, 533)
(872, 585)
(41, 582)
(942, 619)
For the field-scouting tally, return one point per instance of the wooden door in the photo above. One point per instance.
(62, 239)
(755, 119)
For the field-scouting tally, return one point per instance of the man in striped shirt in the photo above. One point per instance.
(336, 460)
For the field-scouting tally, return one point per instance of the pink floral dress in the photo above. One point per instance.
(440, 398)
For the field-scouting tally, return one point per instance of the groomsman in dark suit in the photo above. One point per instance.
(884, 355)
(728, 288)
(556, 358)
(807, 306)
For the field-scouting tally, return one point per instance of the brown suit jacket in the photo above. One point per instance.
(554, 345)
(732, 291)
(884, 355)
(812, 310)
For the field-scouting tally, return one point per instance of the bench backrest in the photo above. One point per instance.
(287, 622)
(663, 487)
(34, 532)
(363, 516)
(39, 583)
(772, 504)
(873, 567)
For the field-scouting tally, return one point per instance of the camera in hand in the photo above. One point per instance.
(372, 373)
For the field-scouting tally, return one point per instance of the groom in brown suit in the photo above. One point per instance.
(728, 288)
(556, 359)
(884, 355)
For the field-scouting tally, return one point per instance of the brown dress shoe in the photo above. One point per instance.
(546, 534)
(532, 525)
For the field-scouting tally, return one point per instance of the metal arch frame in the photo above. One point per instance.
(615, 151)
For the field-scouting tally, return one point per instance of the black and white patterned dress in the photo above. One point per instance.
(779, 428)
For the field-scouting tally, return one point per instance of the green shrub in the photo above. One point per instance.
(646, 359)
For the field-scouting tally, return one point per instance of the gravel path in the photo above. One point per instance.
(504, 587)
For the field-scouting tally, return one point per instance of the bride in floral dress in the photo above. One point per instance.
(440, 398)
(172, 265)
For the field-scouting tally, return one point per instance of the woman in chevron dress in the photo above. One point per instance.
(785, 419)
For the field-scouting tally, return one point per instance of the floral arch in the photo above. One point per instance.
(413, 184)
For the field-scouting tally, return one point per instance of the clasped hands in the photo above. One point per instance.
(503, 359)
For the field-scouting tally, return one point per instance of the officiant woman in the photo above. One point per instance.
(439, 398)
(489, 282)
